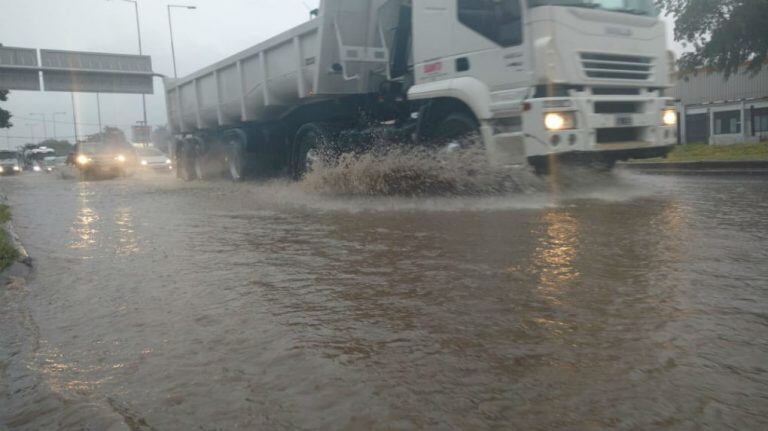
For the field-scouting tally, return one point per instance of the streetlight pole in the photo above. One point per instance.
(32, 130)
(74, 116)
(141, 52)
(54, 122)
(45, 127)
(170, 28)
(98, 109)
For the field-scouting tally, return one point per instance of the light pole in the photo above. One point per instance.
(45, 127)
(138, 32)
(54, 122)
(170, 28)
(74, 116)
(98, 110)
(32, 130)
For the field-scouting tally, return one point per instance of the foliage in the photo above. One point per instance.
(5, 213)
(8, 253)
(704, 152)
(161, 138)
(62, 148)
(110, 135)
(5, 116)
(724, 34)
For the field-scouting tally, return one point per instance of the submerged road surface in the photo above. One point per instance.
(634, 302)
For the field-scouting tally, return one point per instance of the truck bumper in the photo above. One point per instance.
(616, 127)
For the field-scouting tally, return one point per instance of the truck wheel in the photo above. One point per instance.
(457, 130)
(311, 144)
(201, 168)
(187, 163)
(236, 160)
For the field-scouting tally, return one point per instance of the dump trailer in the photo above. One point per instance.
(532, 81)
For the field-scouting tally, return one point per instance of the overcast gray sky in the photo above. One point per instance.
(216, 29)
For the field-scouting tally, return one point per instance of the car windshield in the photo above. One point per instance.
(637, 7)
(150, 152)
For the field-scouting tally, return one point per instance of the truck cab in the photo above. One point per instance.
(579, 79)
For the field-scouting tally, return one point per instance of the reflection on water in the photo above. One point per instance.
(85, 222)
(554, 256)
(126, 241)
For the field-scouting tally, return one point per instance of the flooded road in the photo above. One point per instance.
(635, 302)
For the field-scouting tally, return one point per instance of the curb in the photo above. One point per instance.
(745, 167)
(24, 257)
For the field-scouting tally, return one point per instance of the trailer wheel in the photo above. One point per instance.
(202, 171)
(457, 130)
(236, 160)
(312, 143)
(187, 163)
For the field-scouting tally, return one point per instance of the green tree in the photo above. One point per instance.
(723, 34)
(161, 138)
(5, 116)
(110, 135)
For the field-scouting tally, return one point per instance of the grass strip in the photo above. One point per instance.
(8, 253)
(715, 153)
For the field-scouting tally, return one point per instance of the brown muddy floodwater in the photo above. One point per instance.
(628, 302)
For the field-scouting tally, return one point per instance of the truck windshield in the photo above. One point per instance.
(637, 7)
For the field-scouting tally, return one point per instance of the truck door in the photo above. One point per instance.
(484, 39)
(489, 39)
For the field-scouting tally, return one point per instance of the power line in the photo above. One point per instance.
(70, 122)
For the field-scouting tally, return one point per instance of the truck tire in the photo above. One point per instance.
(236, 160)
(187, 163)
(457, 130)
(202, 170)
(311, 146)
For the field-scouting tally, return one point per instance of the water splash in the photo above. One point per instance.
(418, 171)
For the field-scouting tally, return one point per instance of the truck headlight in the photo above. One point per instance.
(1, 170)
(555, 121)
(120, 158)
(16, 169)
(168, 161)
(669, 117)
(144, 163)
(82, 160)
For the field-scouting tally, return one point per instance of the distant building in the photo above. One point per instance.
(719, 111)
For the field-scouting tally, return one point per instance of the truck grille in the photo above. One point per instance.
(610, 66)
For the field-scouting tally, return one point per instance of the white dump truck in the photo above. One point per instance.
(578, 80)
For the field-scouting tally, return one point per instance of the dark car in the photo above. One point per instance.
(9, 163)
(97, 159)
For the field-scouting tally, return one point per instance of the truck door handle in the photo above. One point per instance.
(462, 64)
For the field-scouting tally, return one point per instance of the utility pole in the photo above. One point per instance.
(74, 116)
(32, 131)
(98, 109)
(170, 28)
(45, 127)
(54, 122)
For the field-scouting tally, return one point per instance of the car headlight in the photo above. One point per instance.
(669, 117)
(82, 160)
(144, 163)
(36, 168)
(120, 158)
(555, 121)
(16, 169)
(1, 170)
(168, 161)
